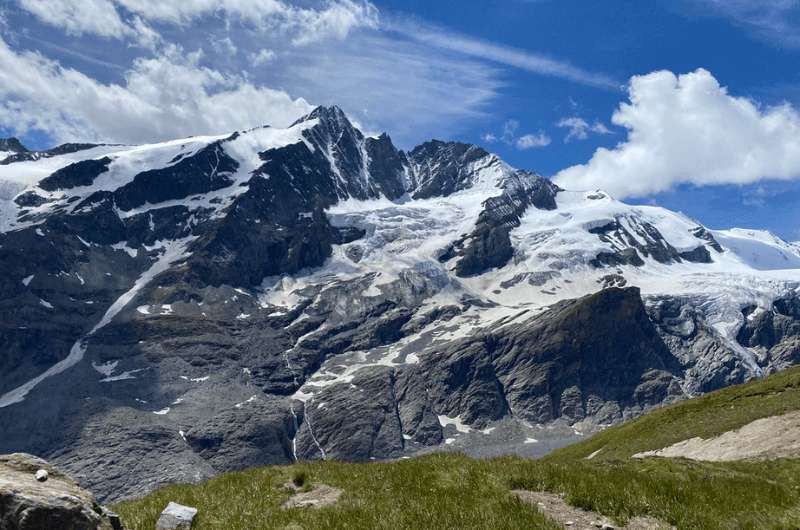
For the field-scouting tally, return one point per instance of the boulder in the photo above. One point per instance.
(29, 503)
(176, 517)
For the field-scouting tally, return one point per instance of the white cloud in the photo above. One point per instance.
(224, 46)
(76, 17)
(107, 18)
(387, 84)
(167, 96)
(579, 129)
(517, 58)
(261, 57)
(523, 142)
(687, 129)
(532, 141)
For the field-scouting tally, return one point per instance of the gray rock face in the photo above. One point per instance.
(551, 366)
(489, 245)
(634, 239)
(359, 423)
(27, 503)
(775, 333)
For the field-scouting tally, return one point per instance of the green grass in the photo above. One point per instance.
(436, 491)
(705, 416)
(451, 491)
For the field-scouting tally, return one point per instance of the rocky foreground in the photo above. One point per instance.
(37, 496)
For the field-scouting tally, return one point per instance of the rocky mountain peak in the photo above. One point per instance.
(333, 117)
(221, 302)
(12, 145)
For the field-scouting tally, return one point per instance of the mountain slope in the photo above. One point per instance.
(213, 303)
(447, 490)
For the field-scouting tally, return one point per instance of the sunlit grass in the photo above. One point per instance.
(451, 491)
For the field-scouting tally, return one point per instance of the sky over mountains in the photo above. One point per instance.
(690, 104)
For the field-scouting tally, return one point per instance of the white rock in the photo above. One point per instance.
(176, 517)
(41, 475)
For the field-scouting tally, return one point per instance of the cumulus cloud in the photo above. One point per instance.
(118, 18)
(532, 141)
(167, 96)
(76, 17)
(687, 129)
(580, 129)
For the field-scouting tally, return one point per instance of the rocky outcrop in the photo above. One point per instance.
(36, 496)
(489, 244)
(775, 333)
(564, 363)
(176, 517)
(22, 155)
(80, 173)
(633, 239)
(207, 170)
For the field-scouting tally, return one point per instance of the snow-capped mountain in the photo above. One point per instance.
(173, 310)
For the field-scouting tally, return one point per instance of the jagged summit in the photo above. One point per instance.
(12, 145)
(331, 113)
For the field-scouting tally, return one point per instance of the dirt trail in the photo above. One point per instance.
(555, 507)
(767, 438)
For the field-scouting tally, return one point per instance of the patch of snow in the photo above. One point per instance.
(162, 411)
(107, 368)
(444, 421)
(45, 303)
(173, 251)
(132, 252)
(27, 280)
(124, 376)
(530, 441)
(248, 400)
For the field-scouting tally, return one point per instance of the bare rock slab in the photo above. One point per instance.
(176, 517)
(37, 496)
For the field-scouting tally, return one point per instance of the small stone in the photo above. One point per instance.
(176, 517)
(113, 518)
(41, 475)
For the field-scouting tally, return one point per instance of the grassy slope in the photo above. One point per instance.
(450, 491)
(706, 416)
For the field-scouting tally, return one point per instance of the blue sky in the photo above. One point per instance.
(704, 93)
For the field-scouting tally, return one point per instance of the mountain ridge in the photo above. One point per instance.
(219, 302)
